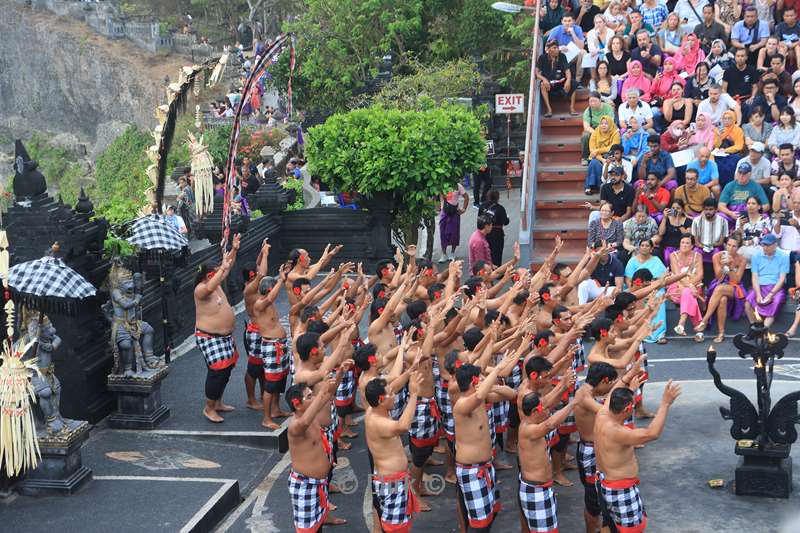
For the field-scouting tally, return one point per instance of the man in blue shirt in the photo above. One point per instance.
(769, 268)
(564, 34)
(733, 200)
(788, 32)
(750, 34)
(707, 171)
(659, 162)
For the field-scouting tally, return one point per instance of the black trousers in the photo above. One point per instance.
(496, 239)
(481, 183)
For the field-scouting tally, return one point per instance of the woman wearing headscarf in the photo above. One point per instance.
(689, 54)
(662, 82)
(676, 138)
(634, 141)
(718, 55)
(730, 139)
(704, 134)
(636, 79)
(604, 136)
(551, 17)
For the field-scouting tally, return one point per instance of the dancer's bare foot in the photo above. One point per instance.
(641, 412)
(433, 462)
(450, 477)
(346, 433)
(279, 414)
(423, 505)
(224, 407)
(344, 445)
(254, 405)
(335, 521)
(569, 463)
(212, 416)
(562, 480)
(269, 424)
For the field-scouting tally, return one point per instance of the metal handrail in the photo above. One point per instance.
(532, 137)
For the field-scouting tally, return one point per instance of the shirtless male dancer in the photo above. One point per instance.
(214, 321)
(255, 363)
(600, 379)
(537, 501)
(311, 455)
(391, 481)
(274, 346)
(478, 495)
(617, 467)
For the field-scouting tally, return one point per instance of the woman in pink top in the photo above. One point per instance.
(689, 54)
(637, 80)
(450, 221)
(703, 132)
(662, 83)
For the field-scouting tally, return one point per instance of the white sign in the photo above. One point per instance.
(506, 104)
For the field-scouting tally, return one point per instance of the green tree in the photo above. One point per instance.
(429, 82)
(59, 167)
(339, 44)
(121, 178)
(417, 155)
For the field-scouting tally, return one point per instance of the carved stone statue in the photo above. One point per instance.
(131, 337)
(44, 380)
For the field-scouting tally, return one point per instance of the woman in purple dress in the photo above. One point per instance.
(725, 295)
(450, 221)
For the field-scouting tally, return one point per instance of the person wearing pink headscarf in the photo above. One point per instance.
(689, 54)
(663, 81)
(636, 79)
(703, 132)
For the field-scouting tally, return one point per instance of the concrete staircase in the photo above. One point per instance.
(559, 192)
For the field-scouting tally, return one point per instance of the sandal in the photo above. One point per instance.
(548, 115)
(662, 340)
(679, 330)
(701, 326)
(587, 191)
(719, 338)
(699, 336)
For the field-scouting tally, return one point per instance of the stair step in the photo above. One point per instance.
(560, 156)
(571, 197)
(561, 119)
(559, 143)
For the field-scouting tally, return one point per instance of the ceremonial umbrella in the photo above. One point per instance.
(153, 235)
(48, 285)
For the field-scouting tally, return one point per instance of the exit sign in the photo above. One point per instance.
(509, 103)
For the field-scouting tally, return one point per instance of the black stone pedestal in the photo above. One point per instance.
(766, 472)
(138, 400)
(60, 470)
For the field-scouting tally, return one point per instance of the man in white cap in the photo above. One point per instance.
(733, 200)
(760, 169)
(769, 267)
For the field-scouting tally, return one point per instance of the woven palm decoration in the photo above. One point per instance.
(19, 448)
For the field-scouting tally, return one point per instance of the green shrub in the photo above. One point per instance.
(120, 172)
(296, 185)
(58, 165)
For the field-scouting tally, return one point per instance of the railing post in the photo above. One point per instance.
(528, 191)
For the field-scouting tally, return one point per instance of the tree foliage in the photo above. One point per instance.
(429, 83)
(59, 166)
(120, 176)
(415, 154)
(340, 43)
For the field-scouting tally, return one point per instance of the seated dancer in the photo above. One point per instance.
(391, 482)
(478, 495)
(252, 337)
(537, 501)
(617, 467)
(589, 398)
(273, 347)
(213, 334)
(311, 455)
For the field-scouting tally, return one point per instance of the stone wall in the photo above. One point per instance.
(57, 75)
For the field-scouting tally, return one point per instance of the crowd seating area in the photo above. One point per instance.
(684, 117)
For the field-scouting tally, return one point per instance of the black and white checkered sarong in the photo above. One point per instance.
(587, 463)
(346, 390)
(400, 401)
(623, 503)
(219, 351)
(276, 356)
(309, 501)
(538, 505)
(479, 491)
(396, 500)
(443, 399)
(425, 425)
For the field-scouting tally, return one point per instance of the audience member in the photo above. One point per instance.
(757, 128)
(606, 229)
(717, 104)
(654, 269)
(607, 277)
(657, 161)
(634, 140)
(730, 147)
(750, 34)
(786, 131)
(760, 168)
(709, 29)
(690, 54)
(640, 227)
(751, 226)
(725, 294)
(647, 53)
(553, 71)
(692, 194)
(687, 292)
(733, 200)
(674, 226)
(709, 230)
(769, 269)
(596, 110)
(603, 138)
(619, 194)
(676, 106)
(706, 168)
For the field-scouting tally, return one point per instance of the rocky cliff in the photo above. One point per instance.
(56, 75)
